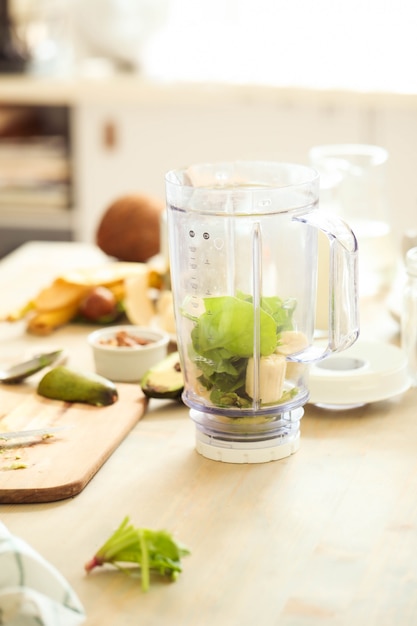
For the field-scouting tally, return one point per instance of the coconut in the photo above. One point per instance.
(129, 229)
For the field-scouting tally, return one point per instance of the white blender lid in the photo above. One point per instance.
(368, 371)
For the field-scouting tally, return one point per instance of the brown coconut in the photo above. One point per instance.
(129, 229)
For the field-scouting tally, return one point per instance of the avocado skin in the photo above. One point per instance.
(72, 385)
(164, 380)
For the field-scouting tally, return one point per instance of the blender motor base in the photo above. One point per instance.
(243, 452)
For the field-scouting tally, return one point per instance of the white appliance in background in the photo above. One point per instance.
(45, 28)
(117, 30)
(64, 35)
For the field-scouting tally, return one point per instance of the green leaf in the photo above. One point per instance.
(281, 311)
(228, 324)
(151, 550)
(223, 340)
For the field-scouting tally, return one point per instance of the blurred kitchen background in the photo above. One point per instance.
(99, 98)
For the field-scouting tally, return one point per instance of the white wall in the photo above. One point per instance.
(154, 136)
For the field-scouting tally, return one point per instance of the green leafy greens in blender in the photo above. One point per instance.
(223, 338)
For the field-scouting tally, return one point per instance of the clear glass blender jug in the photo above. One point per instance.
(243, 260)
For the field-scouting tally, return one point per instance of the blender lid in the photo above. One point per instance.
(368, 371)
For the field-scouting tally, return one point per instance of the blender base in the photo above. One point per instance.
(240, 452)
(238, 443)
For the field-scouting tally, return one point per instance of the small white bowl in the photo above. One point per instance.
(127, 364)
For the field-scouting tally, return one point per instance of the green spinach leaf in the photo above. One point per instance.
(223, 340)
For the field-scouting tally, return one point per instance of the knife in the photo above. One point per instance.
(36, 432)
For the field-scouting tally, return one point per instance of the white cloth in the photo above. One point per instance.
(32, 591)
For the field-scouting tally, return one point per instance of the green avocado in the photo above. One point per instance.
(71, 385)
(164, 380)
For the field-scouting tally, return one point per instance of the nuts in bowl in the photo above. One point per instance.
(126, 353)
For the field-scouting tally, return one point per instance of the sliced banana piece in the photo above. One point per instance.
(291, 341)
(272, 370)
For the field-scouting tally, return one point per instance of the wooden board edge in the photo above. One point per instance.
(71, 489)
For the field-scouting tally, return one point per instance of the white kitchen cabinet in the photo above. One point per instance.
(125, 134)
(396, 129)
(127, 149)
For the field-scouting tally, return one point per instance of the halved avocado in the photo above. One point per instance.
(165, 380)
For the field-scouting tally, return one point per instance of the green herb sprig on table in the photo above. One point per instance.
(150, 550)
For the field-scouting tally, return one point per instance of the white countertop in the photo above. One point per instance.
(133, 89)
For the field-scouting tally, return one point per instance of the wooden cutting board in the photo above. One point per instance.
(60, 465)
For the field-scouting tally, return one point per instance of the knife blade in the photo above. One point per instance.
(35, 432)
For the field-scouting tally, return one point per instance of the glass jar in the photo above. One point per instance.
(353, 185)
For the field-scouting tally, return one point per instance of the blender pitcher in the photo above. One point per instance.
(243, 260)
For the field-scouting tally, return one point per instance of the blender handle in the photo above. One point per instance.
(343, 285)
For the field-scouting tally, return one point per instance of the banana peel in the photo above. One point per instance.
(45, 322)
(21, 313)
(58, 303)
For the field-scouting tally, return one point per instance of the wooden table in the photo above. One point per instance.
(327, 537)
